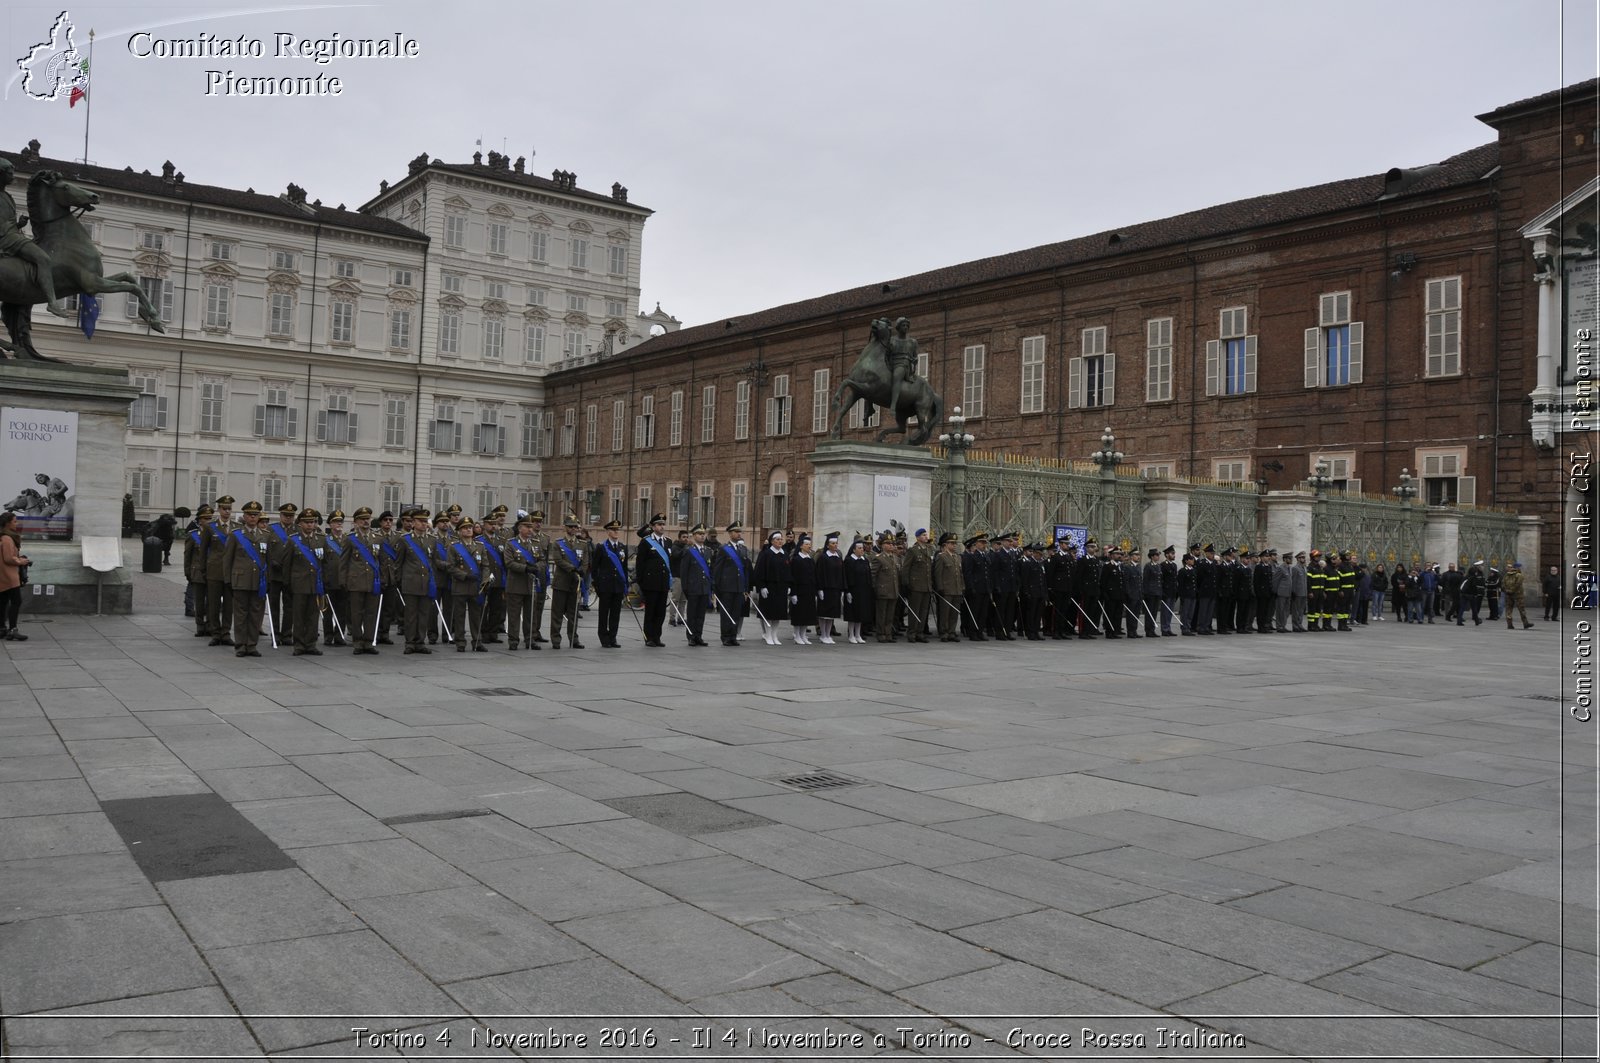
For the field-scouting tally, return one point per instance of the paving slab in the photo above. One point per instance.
(941, 902)
(1568, 925)
(82, 882)
(578, 987)
(357, 870)
(882, 950)
(477, 839)
(136, 1026)
(1156, 833)
(737, 890)
(625, 843)
(1200, 879)
(66, 960)
(1547, 969)
(565, 885)
(1050, 800)
(1056, 885)
(1025, 836)
(797, 853)
(33, 837)
(247, 909)
(466, 932)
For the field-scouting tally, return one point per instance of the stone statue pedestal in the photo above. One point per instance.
(860, 487)
(58, 581)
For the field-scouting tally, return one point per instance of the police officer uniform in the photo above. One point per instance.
(609, 570)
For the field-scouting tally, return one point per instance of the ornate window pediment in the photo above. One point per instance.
(345, 286)
(581, 226)
(535, 313)
(220, 272)
(452, 301)
(494, 306)
(619, 235)
(500, 211)
(540, 218)
(456, 203)
(281, 280)
(402, 297)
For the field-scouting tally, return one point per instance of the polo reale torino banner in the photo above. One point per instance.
(38, 464)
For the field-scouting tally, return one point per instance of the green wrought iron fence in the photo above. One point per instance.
(1377, 530)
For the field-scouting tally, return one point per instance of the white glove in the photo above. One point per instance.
(848, 597)
(763, 594)
(794, 599)
(819, 596)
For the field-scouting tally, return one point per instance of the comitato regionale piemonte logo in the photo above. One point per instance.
(54, 67)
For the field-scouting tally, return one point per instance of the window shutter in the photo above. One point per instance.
(322, 426)
(161, 412)
(166, 300)
(130, 307)
(456, 448)
(1108, 389)
(1074, 383)
(1313, 357)
(477, 439)
(294, 422)
(1352, 487)
(1356, 331)
(501, 450)
(350, 419)
(1213, 366)
(1249, 363)
(1466, 490)
(261, 420)
(432, 425)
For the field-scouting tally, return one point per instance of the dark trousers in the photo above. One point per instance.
(1032, 610)
(732, 603)
(1264, 604)
(1152, 609)
(282, 608)
(1244, 610)
(563, 610)
(202, 609)
(220, 597)
(336, 619)
(1005, 613)
(919, 613)
(610, 616)
(303, 620)
(949, 616)
(494, 621)
(465, 614)
(1205, 610)
(694, 614)
(362, 617)
(1088, 614)
(655, 614)
(977, 607)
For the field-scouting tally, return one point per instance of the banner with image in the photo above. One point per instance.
(38, 467)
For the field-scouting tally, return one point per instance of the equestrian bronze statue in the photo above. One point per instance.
(885, 376)
(63, 262)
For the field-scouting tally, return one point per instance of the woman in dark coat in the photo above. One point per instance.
(830, 586)
(1380, 588)
(858, 601)
(802, 589)
(1400, 589)
(769, 580)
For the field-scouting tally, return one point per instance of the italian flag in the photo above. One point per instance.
(80, 90)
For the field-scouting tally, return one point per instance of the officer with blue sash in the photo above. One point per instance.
(336, 621)
(303, 572)
(730, 580)
(244, 560)
(695, 573)
(609, 570)
(471, 575)
(494, 539)
(569, 561)
(194, 569)
(524, 572)
(363, 571)
(652, 570)
(277, 554)
(419, 579)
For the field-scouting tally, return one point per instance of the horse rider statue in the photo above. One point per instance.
(15, 242)
(902, 359)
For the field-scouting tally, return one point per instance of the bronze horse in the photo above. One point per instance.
(869, 382)
(54, 204)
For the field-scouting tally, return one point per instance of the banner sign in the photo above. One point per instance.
(1073, 533)
(891, 501)
(38, 466)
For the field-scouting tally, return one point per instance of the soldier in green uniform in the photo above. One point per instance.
(885, 588)
(918, 577)
(243, 557)
(948, 587)
(363, 571)
(277, 591)
(194, 570)
(569, 560)
(219, 586)
(419, 579)
(336, 621)
(303, 571)
(537, 544)
(471, 573)
(494, 538)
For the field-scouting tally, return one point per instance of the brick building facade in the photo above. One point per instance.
(1380, 323)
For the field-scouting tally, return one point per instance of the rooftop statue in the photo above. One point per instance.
(63, 261)
(886, 376)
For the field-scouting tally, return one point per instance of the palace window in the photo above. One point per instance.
(494, 338)
(341, 321)
(1158, 359)
(708, 413)
(1032, 374)
(820, 400)
(149, 410)
(779, 408)
(675, 421)
(275, 418)
(335, 422)
(395, 411)
(1092, 376)
(741, 410)
(533, 344)
(1231, 359)
(444, 431)
(280, 316)
(972, 380)
(450, 332)
(1333, 348)
(1444, 326)
(213, 405)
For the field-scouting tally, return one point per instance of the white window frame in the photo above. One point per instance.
(399, 328)
(396, 411)
(494, 290)
(741, 410)
(494, 338)
(530, 436)
(619, 416)
(444, 430)
(1092, 375)
(452, 283)
(148, 412)
(1233, 325)
(209, 485)
(220, 250)
(1443, 463)
(342, 321)
(269, 424)
(821, 400)
(141, 485)
(158, 290)
(533, 340)
(336, 422)
(539, 246)
(285, 261)
(972, 377)
(1155, 470)
(450, 333)
(708, 414)
(280, 314)
(213, 405)
(391, 498)
(569, 432)
(644, 423)
(1235, 470)
(455, 230)
(1341, 464)
(1442, 327)
(219, 304)
(401, 278)
(578, 253)
(675, 420)
(617, 260)
(497, 233)
(591, 427)
(1158, 360)
(739, 495)
(1031, 399)
(332, 495)
(780, 410)
(272, 491)
(345, 269)
(1333, 314)
(706, 504)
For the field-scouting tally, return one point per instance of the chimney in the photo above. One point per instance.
(522, 161)
(619, 193)
(167, 170)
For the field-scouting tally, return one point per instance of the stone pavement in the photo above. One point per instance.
(1378, 844)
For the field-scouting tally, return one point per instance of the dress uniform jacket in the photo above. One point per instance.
(831, 582)
(244, 578)
(858, 589)
(770, 579)
(886, 590)
(802, 590)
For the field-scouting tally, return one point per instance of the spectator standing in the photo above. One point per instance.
(13, 572)
(1429, 585)
(1380, 588)
(1450, 588)
(1472, 587)
(1513, 593)
(1400, 589)
(1550, 587)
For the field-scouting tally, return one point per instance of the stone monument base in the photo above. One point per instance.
(59, 581)
(860, 487)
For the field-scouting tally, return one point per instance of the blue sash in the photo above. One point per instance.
(333, 544)
(194, 537)
(565, 549)
(387, 549)
(472, 566)
(700, 559)
(498, 560)
(311, 559)
(535, 569)
(427, 565)
(366, 555)
(616, 563)
(744, 581)
(255, 559)
(661, 551)
(281, 532)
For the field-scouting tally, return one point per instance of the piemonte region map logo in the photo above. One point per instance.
(55, 68)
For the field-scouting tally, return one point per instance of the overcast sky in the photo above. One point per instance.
(794, 149)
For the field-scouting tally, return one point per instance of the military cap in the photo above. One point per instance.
(734, 527)
(920, 532)
(973, 541)
(610, 525)
(364, 513)
(1153, 552)
(1209, 548)
(829, 537)
(659, 518)
(1245, 555)
(226, 500)
(644, 532)
(500, 510)
(310, 514)
(698, 529)
(442, 517)
(288, 507)
(537, 515)
(454, 509)
(464, 521)
(385, 515)
(1091, 541)
(947, 537)
(337, 514)
(1194, 548)
(1478, 562)
(205, 513)
(249, 507)
(1170, 549)
(571, 520)
(1063, 538)
(1302, 553)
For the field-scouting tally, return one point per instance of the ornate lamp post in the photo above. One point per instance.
(1320, 481)
(955, 443)
(1407, 488)
(1108, 457)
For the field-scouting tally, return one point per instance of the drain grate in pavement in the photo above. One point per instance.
(497, 692)
(192, 836)
(817, 780)
(686, 813)
(434, 817)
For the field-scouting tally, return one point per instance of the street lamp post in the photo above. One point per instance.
(955, 443)
(1406, 490)
(1320, 481)
(1108, 457)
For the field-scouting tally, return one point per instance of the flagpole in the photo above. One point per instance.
(88, 103)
